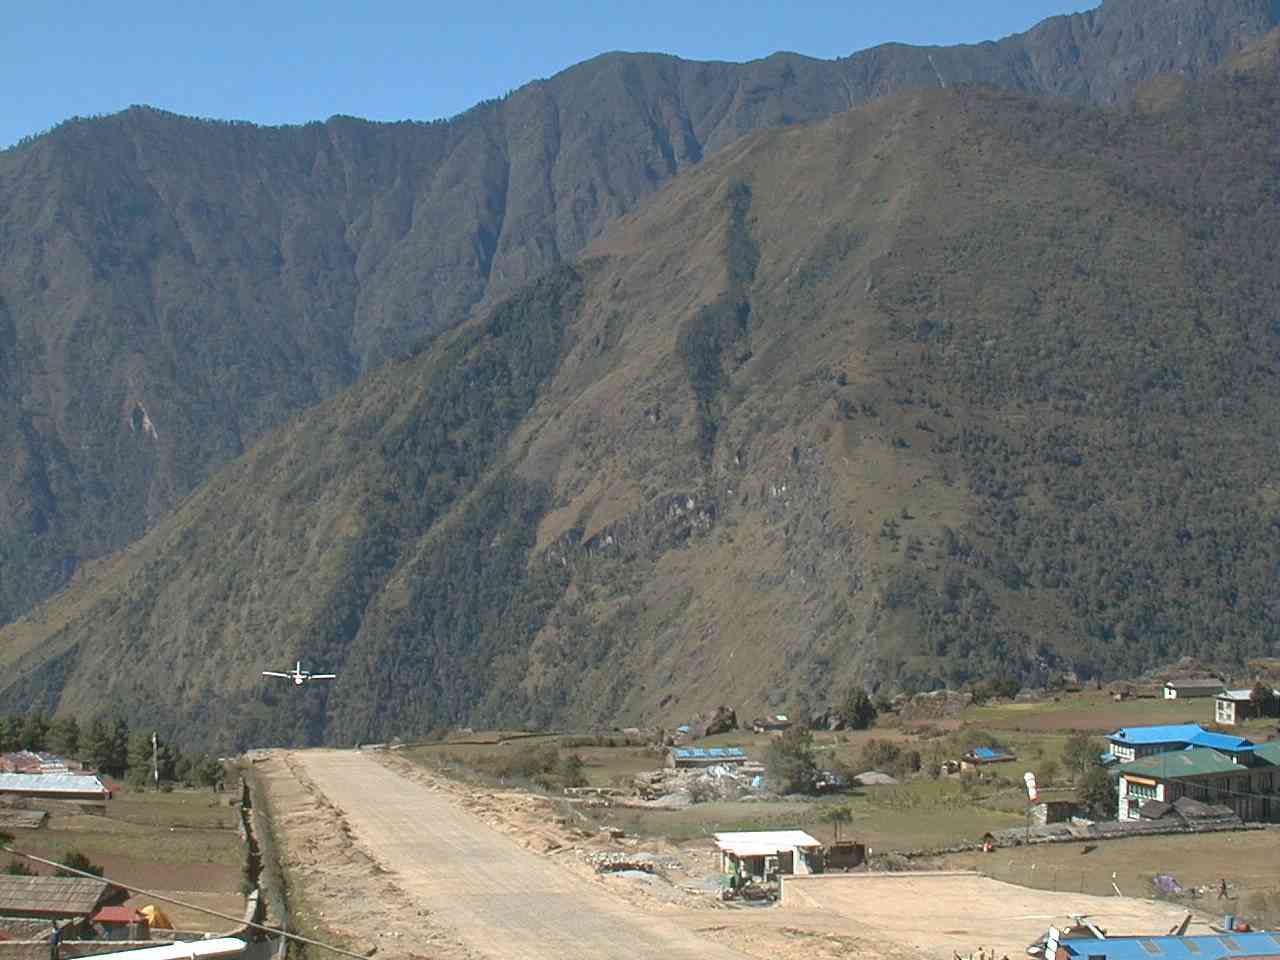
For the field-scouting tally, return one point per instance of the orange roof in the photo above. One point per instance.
(117, 915)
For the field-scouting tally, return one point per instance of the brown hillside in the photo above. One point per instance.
(172, 289)
(960, 383)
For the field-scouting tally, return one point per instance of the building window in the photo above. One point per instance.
(1140, 792)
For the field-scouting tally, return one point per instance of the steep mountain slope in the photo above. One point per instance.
(958, 383)
(170, 289)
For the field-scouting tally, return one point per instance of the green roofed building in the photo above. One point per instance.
(1246, 781)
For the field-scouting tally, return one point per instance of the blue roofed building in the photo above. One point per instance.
(1217, 946)
(692, 758)
(980, 757)
(1134, 743)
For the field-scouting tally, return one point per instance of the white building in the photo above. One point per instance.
(1235, 706)
(761, 854)
(1189, 689)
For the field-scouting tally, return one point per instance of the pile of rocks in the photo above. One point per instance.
(680, 788)
(936, 705)
(630, 861)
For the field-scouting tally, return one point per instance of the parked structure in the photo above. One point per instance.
(119, 923)
(1235, 706)
(1222, 946)
(774, 724)
(29, 761)
(1053, 811)
(1134, 743)
(844, 855)
(55, 786)
(1248, 782)
(980, 757)
(1190, 689)
(762, 854)
(56, 898)
(692, 758)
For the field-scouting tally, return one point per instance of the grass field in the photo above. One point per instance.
(183, 842)
(885, 818)
(1096, 712)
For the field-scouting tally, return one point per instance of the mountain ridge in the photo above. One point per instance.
(783, 429)
(172, 289)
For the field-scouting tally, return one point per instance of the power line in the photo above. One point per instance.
(187, 904)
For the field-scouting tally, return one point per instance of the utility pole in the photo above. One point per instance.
(155, 759)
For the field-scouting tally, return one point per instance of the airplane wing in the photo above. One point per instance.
(323, 676)
(272, 673)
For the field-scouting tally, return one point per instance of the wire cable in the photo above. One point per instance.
(186, 903)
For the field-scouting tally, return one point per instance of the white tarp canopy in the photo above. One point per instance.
(764, 843)
(70, 783)
(182, 950)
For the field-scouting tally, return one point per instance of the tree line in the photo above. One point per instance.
(109, 745)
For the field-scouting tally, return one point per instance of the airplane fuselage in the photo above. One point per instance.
(297, 676)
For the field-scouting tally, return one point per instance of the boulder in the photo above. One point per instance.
(720, 720)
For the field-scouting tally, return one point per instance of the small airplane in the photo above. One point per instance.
(299, 676)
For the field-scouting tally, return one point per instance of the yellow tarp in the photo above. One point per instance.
(156, 918)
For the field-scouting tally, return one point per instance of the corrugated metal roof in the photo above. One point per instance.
(1220, 741)
(51, 783)
(709, 753)
(763, 843)
(1157, 733)
(1201, 946)
(1199, 684)
(1241, 695)
(51, 896)
(1268, 752)
(1194, 762)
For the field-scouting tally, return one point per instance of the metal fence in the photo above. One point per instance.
(1250, 898)
(1055, 877)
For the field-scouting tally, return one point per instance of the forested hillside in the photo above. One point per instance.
(959, 384)
(171, 289)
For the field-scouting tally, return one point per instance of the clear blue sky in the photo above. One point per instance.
(286, 61)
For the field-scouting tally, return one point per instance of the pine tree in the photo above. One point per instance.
(64, 736)
(859, 711)
(10, 730)
(1098, 794)
(119, 762)
(139, 758)
(97, 745)
(35, 729)
(790, 763)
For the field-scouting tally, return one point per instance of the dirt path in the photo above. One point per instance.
(502, 899)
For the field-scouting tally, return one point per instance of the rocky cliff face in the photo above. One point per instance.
(217, 278)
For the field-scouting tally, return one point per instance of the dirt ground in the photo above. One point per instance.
(942, 914)
(384, 854)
